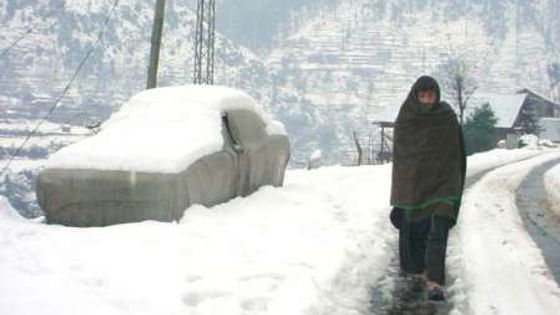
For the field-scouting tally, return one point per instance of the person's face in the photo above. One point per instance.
(427, 97)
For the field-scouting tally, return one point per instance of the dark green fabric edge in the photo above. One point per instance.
(456, 201)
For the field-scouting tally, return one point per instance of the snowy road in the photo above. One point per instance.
(499, 267)
(539, 217)
(397, 295)
(316, 246)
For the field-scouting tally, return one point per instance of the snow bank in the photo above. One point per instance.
(502, 269)
(552, 184)
(160, 130)
(481, 162)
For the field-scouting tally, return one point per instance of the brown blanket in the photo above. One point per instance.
(429, 155)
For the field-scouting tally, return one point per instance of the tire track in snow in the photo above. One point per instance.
(540, 221)
(491, 199)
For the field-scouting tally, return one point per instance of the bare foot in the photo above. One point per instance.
(435, 291)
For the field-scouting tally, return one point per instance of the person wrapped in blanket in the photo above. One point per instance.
(429, 167)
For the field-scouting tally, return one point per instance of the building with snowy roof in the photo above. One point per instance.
(508, 109)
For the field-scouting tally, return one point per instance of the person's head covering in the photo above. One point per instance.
(412, 106)
(426, 83)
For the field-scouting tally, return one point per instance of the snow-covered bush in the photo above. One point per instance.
(315, 160)
(529, 141)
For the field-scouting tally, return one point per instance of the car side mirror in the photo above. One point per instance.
(234, 141)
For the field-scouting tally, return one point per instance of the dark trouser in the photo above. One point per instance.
(423, 245)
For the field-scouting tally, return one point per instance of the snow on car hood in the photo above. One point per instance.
(161, 130)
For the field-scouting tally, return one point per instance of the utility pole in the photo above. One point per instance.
(157, 30)
(205, 39)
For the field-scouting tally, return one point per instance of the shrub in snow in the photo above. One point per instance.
(165, 150)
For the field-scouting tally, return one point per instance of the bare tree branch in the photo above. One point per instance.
(459, 83)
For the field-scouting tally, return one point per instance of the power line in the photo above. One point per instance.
(66, 89)
(14, 43)
(29, 31)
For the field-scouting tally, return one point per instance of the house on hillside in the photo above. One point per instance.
(512, 109)
(546, 107)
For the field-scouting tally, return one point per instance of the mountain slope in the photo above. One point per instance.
(35, 71)
(364, 55)
(335, 65)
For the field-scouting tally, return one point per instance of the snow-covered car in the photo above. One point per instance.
(165, 150)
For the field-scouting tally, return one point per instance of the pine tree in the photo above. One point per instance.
(480, 129)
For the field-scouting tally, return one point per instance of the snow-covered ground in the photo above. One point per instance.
(281, 251)
(502, 269)
(315, 246)
(552, 184)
